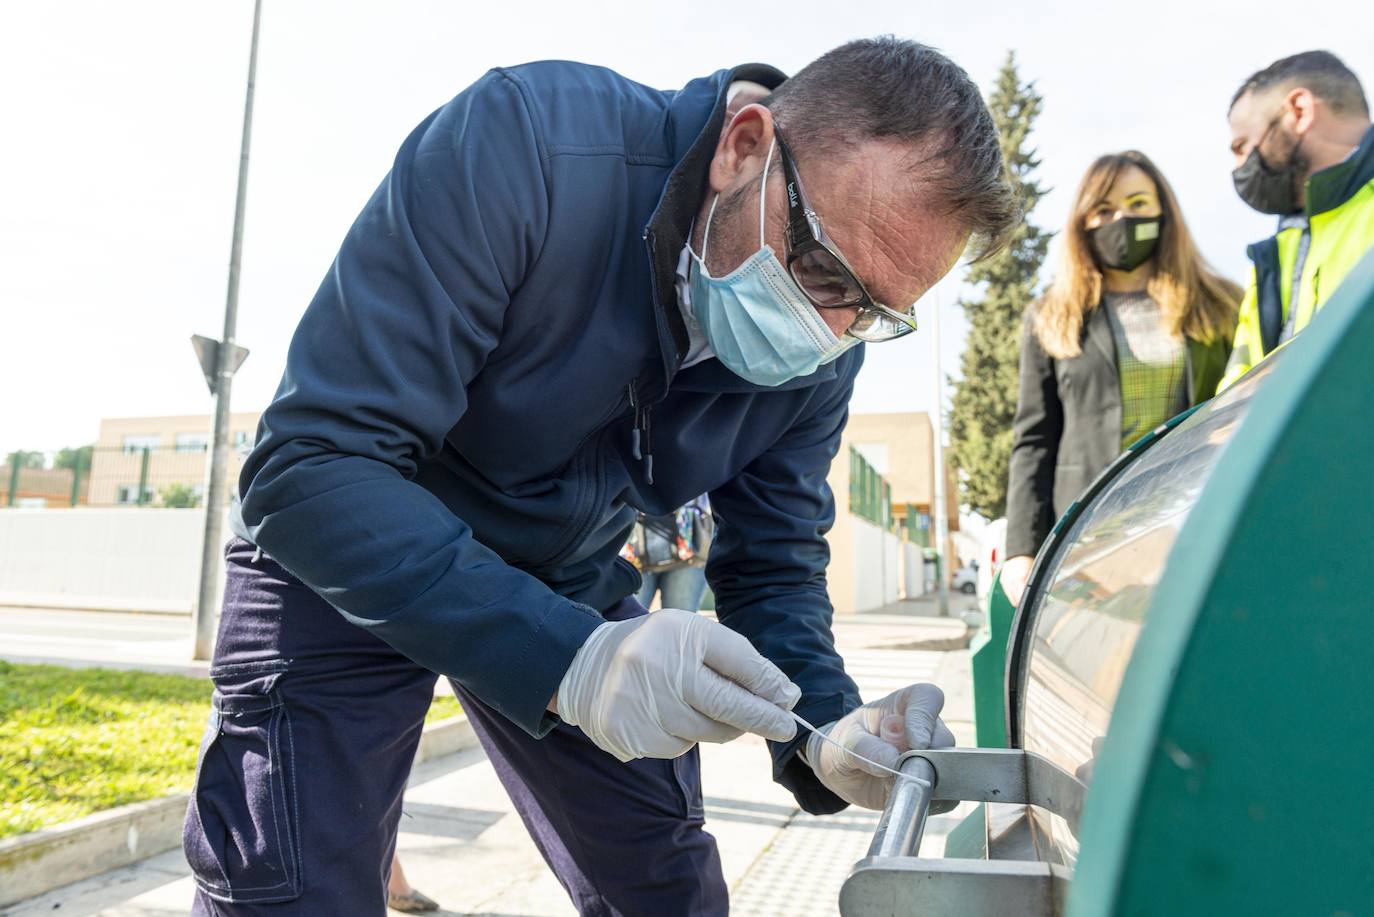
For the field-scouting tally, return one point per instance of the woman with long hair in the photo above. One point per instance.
(1134, 328)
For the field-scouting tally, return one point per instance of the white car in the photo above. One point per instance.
(965, 580)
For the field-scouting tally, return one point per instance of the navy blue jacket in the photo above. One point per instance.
(451, 457)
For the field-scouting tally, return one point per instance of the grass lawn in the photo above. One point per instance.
(75, 741)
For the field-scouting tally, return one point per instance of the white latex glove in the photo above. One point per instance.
(1015, 572)
(904, 720)
(655, 685)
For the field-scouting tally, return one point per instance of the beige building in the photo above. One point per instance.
(137, 459)
(874, 552)
(900, 447)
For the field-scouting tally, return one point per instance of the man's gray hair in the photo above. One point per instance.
(888, 88)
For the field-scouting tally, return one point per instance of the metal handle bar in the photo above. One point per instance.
(978, 774)
(904, 820)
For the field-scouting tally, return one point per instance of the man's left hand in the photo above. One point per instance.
(904, 720)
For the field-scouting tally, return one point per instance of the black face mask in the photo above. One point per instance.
(1126, 243)
(1271, 189)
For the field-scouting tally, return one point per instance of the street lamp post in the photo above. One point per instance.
(220, 359)
(941, 518)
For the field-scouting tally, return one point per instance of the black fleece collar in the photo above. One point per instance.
(671, 222)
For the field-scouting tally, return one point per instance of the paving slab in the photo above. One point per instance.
(801, 873)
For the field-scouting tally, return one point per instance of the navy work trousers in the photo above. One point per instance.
(303, 765)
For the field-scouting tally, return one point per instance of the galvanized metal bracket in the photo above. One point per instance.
(914, 887)
(892, 881)
(1005, 775)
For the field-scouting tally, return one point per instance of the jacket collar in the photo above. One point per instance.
(696, 115)
(1099, 331)
(1334, 185)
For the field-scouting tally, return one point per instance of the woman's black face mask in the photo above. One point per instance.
(1125, 243)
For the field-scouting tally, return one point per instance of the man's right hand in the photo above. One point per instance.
(1015, 572)
(655, 685)
(877, 733)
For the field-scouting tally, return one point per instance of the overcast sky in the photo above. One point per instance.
(121, 137)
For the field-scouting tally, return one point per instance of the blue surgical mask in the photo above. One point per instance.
(756, 319)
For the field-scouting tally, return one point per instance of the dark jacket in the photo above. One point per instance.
(1068, 423)
(485, 391)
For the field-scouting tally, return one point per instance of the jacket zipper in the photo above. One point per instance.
(585, 511)
(641, 437)
(641, 448)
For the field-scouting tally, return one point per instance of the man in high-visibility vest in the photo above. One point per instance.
(1304, 149)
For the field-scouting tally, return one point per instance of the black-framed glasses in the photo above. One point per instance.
(821, 272)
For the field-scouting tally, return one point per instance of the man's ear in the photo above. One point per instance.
(1303, 106)
(743, 144)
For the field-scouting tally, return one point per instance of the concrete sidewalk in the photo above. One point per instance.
(463, 844)
(111, 639)
(105, 639)
(162, 642)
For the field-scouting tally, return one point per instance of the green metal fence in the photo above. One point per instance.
(870, 496)
(140, 475)
(917, 525)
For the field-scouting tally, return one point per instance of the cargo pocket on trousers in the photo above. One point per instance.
(687, 774)
(242, 831)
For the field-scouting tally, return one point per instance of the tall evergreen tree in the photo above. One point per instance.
(985, 398)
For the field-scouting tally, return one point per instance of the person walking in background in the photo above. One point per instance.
(1134, 328)
(1304, 151)
(670, 553)
(402, 896)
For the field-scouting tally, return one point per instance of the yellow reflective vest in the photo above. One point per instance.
(1340, 228)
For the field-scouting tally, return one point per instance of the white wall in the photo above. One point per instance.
(913, 570)
(892, 568)
(145, 559)
(877, 574)
(126, 559)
